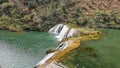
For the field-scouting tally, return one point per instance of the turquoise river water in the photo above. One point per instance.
(25, 49)
(102, 53)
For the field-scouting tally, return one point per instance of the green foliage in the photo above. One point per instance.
(5, 18)
(9, 23)
(107, 18)
(43, 14)
(26, 17)
(15, 28)
(97, 18)
(31, 5)
(2, 1)
(6, 5)
(43, 2)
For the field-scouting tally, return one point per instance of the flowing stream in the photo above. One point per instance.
(25, 49)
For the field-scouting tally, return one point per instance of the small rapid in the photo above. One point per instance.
(62, 31)
(56, 29)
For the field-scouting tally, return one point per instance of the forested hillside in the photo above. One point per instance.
(40, 15)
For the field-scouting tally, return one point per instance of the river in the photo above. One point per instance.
(102, 53)
(25, 49)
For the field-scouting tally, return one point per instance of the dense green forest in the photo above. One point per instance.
(40, 15)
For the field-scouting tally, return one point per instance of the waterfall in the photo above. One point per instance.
(63, 33)
(49, 56)
(56, 29)
(73, 32)
(52, 29)
(64, 45)
(46, 58)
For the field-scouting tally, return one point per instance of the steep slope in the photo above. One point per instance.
(41, 15)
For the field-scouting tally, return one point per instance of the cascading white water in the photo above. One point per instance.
(53, 29)
(64, 45)
(46, 58)
(56, 29)
(61, 47)
(73, 32)
(63, 33)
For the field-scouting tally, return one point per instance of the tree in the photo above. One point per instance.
(1, 1)
(31, 5)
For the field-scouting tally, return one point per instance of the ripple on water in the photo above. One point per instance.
(23, 50)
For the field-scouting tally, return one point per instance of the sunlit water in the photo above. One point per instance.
(25, 49)
(103, 53)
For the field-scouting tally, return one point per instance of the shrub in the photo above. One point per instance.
(1, 1)
(5, 18)
(6, 5)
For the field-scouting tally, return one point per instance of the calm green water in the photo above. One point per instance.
(104, 53)
(23, 50)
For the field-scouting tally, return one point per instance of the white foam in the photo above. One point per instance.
(47, 57)
(73, 32)
(56, 29)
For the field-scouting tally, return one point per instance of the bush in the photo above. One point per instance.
(6, 5)
(30, 4)
(1, 1)
(5, 18)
